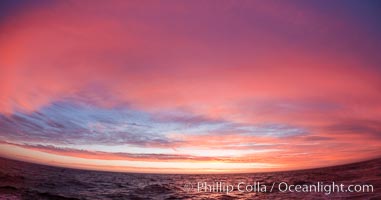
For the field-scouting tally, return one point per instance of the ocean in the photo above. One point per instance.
(21, 180)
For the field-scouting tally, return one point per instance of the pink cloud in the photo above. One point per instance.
(221, 63)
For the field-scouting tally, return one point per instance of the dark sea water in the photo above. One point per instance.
(20, 180)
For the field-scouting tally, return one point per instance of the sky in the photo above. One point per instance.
(190, 86)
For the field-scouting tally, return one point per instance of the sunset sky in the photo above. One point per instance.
(190, 86)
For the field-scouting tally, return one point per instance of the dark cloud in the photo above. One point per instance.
(63, 123)
(114, 155)
(356, 126)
